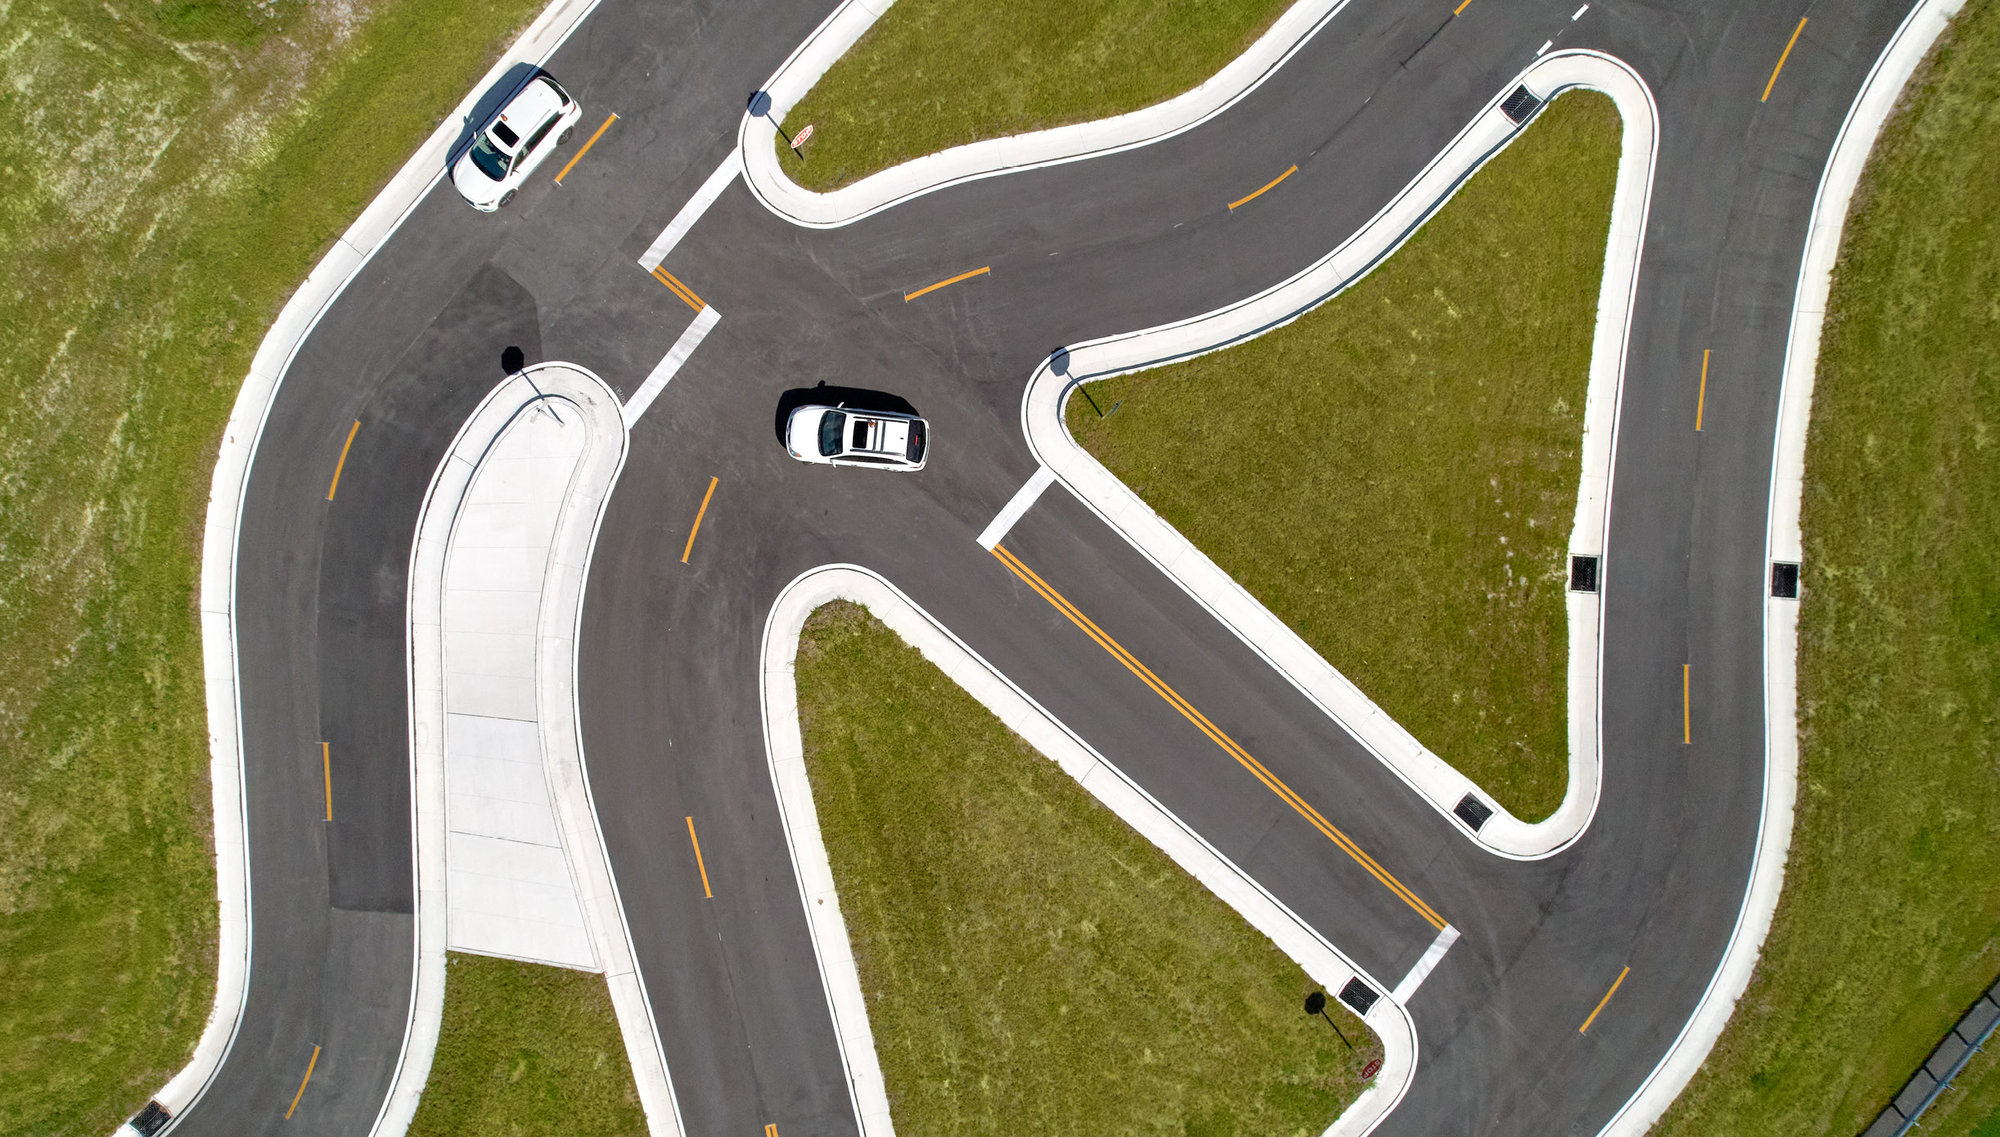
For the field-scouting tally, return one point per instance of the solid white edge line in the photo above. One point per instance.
(670, 364)
(970, 162)
(1023, 499)
(1433, 779)
(690, 213)
(778, 698)
(221, 531)
(1783, 540)
(1426, 964)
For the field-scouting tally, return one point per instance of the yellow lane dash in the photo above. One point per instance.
(698, 862)
(771, 1130)
(313, 1061)
(1464, 4)
(586, 148)
(1267, 185)
(326, 769)
(909, 296)
(699, 514)
(1687, 727)
(1215, 734)
(1604, 1000)
(1701, 400)
(1773, 80)
(342, 464)
(675, 286)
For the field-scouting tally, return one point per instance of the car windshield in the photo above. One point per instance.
(830, 426)
(490, 161)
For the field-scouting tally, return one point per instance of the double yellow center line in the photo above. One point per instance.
(1215, 734)
(675, 286)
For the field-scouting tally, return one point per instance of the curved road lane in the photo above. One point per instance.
(669, 651)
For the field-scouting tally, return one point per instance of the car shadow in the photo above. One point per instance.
(854, 398)
(489, 104)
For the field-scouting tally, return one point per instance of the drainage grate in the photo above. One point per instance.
(1583, 574)
(1784, 580)
(1359, 995)
(1472, 811)
(151, 1119)
(1520, 105)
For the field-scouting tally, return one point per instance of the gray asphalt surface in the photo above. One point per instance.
(668, 665)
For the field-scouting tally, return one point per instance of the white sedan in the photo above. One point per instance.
(836, 436)
(507, 148)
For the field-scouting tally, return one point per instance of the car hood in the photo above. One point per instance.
(802, 431)
(473, 184)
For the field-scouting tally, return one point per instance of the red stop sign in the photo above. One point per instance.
(1373, 1068)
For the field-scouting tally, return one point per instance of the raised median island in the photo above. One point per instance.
(1030, 964)
(933, 74)
(1395, 474)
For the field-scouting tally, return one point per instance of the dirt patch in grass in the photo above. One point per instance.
(1395, 474)
(172, 171)
(527, 1049)
(1889, 924)
(1031, 964)
(933, 74)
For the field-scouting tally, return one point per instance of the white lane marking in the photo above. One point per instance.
(692, 211)
(1016, 506)
(676, 355)
(1578, 14)
(1546, 44)
(1422, 970)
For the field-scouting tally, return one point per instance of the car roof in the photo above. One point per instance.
(530, 107)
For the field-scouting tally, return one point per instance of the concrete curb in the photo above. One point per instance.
(785, 751)
(1425, 772)
(756, 137)
(235, 455)
(561, 605)
(1784, 542)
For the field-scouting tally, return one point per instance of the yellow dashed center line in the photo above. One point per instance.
(1215, 734)
(1604, 1000)
(909, 296)
(699, 514)
(586, 149)
(1773, 81)
(342, 464)
(326, 770)
(310, 1063)
(698, 862)
(1701, 400)
(1266, 187)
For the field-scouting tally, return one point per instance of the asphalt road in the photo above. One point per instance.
(668, 670)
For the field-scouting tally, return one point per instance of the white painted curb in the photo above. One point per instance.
(1490, 132)
(575, 391)
(1103, 781)
(1783, 542)
(756, 137)
(219, 544)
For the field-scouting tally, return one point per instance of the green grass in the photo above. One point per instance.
(1971, 1108)
(172, 171)
(526, 1051)
(1889, 924)
(1031, 964)
(1395, 474)
(933, 74)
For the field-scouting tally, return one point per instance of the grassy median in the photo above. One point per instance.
(1889, 925)
(1395, 474)
(933, 74)
(1031, 964)
(172, 171)
(526, 1051)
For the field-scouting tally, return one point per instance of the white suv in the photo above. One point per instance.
(505, 150)
(835, 436)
